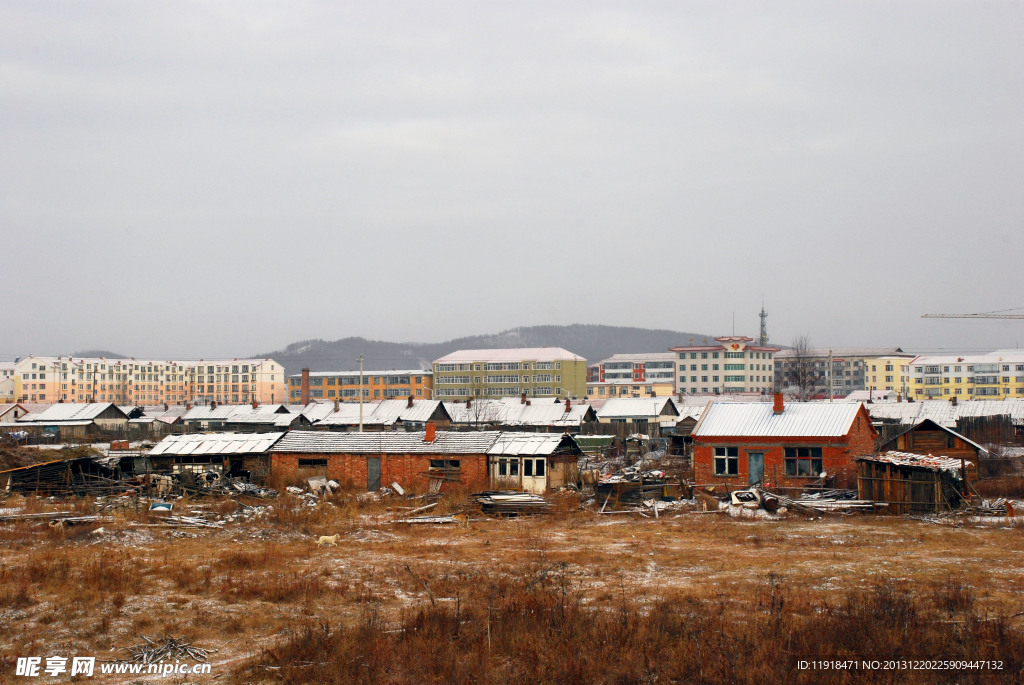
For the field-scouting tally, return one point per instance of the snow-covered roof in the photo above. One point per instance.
(515, 354)
(512, 411)
(236, 413)
(525, 444)
(945, 413)
(70, 411)
(758, 419)
(381, 413)
(386, 442)
(636, 407)
(216, 443)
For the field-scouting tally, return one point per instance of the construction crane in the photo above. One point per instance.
(981, 315)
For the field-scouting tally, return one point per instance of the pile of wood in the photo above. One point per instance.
(512, 503)
(153, 651)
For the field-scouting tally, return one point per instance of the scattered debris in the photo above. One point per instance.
(505, 503)
(153, 651)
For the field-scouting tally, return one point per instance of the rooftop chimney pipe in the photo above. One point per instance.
(304, 387)
(779, 405)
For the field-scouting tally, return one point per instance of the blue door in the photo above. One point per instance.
(755, 466)
(373, 473)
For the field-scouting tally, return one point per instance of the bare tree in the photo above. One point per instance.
(801, 377)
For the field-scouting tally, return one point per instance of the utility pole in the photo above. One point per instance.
(830, 373)
(360, 393)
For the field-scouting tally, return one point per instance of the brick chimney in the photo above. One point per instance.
(522, 399)
(952, 400)
(409, 403)
(213, 404)
(431, 434)
(337, 404)
(255, 404)
(779, 405)
(568, 405)
(304, 387)
(469, 402)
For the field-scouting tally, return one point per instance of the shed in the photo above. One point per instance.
(930, 437)
(910, 483)
(234, 454)
(533, 462)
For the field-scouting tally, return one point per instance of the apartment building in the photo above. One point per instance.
(849, 371)
(729, 365)
(632, 375)
(967, 377)
(147, 382)
(533, 371)
(10, 383)
(889, 372)
(376, 385)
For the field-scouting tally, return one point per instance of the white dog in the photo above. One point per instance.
(331, 540)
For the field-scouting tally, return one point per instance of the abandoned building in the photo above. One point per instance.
(906, 483)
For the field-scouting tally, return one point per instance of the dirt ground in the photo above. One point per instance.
(96, 589)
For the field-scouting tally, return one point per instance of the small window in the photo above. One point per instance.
(727, 461)
(312, 463)
(540, 467)
(527, 467)
(445, 464)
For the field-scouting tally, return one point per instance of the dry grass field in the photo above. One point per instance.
(573, 597)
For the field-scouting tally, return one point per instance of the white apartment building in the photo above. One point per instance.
(147, 382)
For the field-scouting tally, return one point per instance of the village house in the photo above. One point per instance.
(415, 460)
(738, 444)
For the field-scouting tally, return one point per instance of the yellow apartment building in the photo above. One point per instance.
(968, 377)
(888, 372)
(511, 372)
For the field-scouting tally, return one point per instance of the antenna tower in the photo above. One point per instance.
(763, 338)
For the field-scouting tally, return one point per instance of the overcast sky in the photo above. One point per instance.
(214, 178)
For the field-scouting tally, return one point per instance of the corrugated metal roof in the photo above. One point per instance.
(923, 461)
(70, 412)
(386, 442)
(944, 413)
(216, 443)
(512, 411)
(525, 444)
(348, 414)
(237, 413)
(635, 407)
(757, 419)
(515, 354)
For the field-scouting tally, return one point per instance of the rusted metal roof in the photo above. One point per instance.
(757, 419)
(920, 461)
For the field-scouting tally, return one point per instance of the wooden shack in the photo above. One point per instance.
(905, 483)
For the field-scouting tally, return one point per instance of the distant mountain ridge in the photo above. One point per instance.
(594, 342)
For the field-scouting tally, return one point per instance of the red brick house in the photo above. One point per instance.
(738, 444)
(378, 458)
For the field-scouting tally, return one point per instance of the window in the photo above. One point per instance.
(312, 463)
(803, 461)
(445, 464)
(727, 461)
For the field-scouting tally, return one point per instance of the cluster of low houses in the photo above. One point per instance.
(531, 444)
